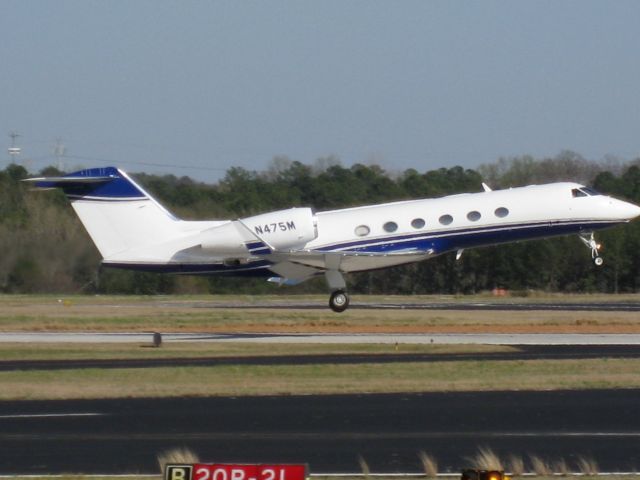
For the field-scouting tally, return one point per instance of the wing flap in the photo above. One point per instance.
(346, 261)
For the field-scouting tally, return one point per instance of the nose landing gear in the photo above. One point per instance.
(589, 240)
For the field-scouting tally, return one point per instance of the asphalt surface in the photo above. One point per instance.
(328, 432)
(146, 339)
(523, 352)
(568, 306)
(497, 306)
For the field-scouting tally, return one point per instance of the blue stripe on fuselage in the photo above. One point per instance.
(448, 240)
(252, 269)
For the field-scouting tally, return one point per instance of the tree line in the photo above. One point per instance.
(46, 250)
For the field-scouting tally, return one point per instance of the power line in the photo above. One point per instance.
(146, 164)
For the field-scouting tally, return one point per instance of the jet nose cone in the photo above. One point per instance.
(629, 210)
(624, 210)
(634, 211)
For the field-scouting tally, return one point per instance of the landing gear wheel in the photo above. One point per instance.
(339, 301)
(589, 240)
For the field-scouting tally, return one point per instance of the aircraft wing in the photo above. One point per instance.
(298, 266)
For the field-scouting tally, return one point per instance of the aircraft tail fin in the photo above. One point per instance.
(117, 213)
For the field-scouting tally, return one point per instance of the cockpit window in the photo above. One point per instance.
(584, 192)
(590, 191)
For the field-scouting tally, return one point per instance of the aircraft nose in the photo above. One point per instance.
(635, 210)
(629, 210)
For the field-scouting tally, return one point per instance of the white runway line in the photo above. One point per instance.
(50, 415)
(75, 337)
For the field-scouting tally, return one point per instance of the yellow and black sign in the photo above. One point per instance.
(178, 472)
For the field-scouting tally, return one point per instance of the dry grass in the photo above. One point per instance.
(104, 351)
(212, 314)
(203, 314)
(540, 466)
(486, 459)
(587, 466)
(560, 467)
(176, 455)
(429, 464)
(364, 466)
(238, 379)
(515, 465)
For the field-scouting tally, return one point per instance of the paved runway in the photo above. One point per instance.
(338, 338)
(328, 432)
(291, 303)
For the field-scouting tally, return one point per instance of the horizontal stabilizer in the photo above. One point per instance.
(101, 184)
(51, 182)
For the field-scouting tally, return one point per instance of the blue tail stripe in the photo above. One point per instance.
(115, 185)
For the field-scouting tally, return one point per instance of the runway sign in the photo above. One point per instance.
(225, 471)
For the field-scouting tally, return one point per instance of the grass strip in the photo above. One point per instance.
(102, 351)
(209, 314)
(251, 380)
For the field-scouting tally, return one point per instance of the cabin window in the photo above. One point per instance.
(446, 219)
(576, 192)
(417, 223)
(390, 227)
(362, 230)
(501, 212)
(474, 216)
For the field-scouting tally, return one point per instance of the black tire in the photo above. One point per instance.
(339, 301)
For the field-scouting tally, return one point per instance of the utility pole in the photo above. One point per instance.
(14, 151)
(59, 150)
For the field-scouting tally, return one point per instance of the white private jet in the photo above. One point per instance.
(133, 231)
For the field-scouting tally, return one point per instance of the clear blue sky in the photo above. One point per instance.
(215, 84)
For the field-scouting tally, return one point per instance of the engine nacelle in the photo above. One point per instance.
(229, 239)
(285, 229)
